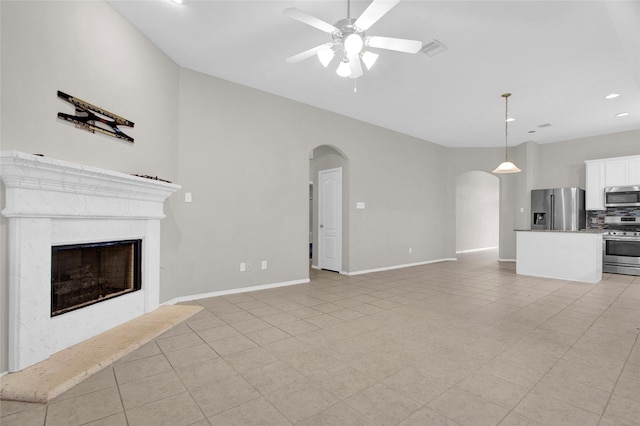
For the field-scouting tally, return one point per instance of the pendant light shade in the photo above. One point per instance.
(506, 166)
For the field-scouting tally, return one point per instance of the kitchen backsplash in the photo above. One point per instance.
(595, 218)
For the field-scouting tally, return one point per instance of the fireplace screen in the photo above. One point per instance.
(84, 274)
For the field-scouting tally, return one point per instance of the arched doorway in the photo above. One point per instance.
(323, 160)
(477, 212)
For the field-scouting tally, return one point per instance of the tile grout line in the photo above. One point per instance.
(559, 358)
(115, 379)
(604, 410)
(261, 395)
(180, 378)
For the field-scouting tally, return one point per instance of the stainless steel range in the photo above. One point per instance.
(621, 245)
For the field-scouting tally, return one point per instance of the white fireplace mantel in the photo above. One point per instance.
(53, 202)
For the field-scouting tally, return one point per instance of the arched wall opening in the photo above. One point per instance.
(477, 211)
(325, 157)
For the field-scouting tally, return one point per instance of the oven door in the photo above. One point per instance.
(624, 250)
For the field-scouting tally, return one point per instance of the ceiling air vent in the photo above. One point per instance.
(433, 48)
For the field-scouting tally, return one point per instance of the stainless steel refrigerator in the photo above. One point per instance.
(560, 209)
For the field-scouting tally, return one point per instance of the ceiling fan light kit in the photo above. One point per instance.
(325, 56)
(369, 58)
(343, 70)
(353, 44)
(506, 166)
(350, 42)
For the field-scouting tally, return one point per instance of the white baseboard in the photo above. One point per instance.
(233, 291)
(389, 268)
(477, 249)
(506, 260)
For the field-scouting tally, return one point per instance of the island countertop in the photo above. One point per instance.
(581, 231)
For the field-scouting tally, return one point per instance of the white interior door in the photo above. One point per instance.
(330, 219)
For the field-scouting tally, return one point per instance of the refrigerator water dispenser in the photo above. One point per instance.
(539, 218)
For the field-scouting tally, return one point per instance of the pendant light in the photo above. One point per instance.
(506, 166)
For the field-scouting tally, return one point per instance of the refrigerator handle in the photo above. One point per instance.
(553, 210)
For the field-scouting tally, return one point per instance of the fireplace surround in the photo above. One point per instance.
(50, 203)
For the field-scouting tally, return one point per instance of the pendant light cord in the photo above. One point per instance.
(506, 124)
(506, 166)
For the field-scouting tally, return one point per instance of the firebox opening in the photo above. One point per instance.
(84, 274)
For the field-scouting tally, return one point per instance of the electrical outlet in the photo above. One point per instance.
(243, 267)
(410, 249)
(263, 264)
(187, 197)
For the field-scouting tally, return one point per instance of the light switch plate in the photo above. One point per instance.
(360, 205)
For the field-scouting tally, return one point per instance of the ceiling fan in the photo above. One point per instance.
(350, 43)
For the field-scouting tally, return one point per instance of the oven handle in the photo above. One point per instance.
(630, 239)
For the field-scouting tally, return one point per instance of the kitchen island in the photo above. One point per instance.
(565, 255)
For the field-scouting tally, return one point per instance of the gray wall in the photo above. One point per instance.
(477, 211)
(250, 188)
(243, 154)
(513, 190)
(543, 166)
(87, 50)
(562, 164)
(248, 171)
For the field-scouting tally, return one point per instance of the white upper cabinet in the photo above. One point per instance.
(594, 191)
(616, 172)
(634, 170)
(619, 171)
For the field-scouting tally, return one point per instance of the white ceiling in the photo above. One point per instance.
(558, 58)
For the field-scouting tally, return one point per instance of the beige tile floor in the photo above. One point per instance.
(453, 343)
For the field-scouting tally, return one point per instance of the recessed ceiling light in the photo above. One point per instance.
(612, 95)
(622, 114)
(177, 1)
(510, 119)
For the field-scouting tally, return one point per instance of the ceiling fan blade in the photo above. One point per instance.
(355, 65)
(305, 18)
(376, 10)
(397, 44)
(308, 53)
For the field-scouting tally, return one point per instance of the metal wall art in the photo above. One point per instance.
(95, 119)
